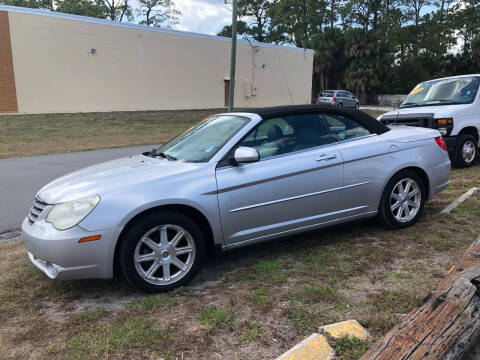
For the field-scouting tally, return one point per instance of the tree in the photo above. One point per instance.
(465, 18)
(82, 7)
(36, 4)
(295, 21)
(117, 10)
(158, 13)
(256, 12)
(242, 30)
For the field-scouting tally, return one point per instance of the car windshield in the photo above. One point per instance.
(202, 141)
(443, 92)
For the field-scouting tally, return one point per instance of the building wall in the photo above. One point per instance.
(135, 68)
(8, 95)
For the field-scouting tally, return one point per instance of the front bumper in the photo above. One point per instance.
(60, 256)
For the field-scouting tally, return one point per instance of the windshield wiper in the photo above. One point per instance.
(409, 104)
(444, 101)
(154, 153)
(166, 156)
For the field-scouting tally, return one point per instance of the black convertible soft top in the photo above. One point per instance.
(372, 124)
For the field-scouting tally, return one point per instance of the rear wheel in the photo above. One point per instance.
(340, 104)
(402, 200)
(162, 251)
(357, 106)
(465, 152)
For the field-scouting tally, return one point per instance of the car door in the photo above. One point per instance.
(366, 164)
(294, 186)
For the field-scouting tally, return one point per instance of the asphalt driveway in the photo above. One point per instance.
(21, 178)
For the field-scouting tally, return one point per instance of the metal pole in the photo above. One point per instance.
(233, 58)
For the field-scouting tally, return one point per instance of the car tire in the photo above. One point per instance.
(162, 251)
(357, 106)
(399, 210)
(465, 152)
(340, 104)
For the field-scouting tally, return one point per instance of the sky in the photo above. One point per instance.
(202, 16)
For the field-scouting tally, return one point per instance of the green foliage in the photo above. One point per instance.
(82, 7)
(158, 13)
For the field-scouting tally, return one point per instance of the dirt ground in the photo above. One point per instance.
(253, 303)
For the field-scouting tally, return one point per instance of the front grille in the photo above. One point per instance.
(408, 122)
(419, 120)
(35, 210)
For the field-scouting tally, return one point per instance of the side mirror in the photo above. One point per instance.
(245, 154)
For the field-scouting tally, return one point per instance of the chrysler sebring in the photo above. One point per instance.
(231, 180)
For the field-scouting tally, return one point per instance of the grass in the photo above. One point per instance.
(261, 297)
(349, 348)
(215, 317)
(254, 303)
(26, 135)
(116, 338)
(38, 134)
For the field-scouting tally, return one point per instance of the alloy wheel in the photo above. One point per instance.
(164, 254)
(468, 151)
(405, 200)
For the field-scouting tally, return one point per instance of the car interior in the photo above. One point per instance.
(279, 136)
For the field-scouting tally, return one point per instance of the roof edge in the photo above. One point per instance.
(54, 14)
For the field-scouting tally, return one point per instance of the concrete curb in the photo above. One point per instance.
(460, 200)
(345, 328)
(316, 346)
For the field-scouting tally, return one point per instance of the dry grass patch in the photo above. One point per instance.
(26, 135)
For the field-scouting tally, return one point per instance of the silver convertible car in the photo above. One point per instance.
(234, 179)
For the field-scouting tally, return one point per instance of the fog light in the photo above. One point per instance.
(443, 131)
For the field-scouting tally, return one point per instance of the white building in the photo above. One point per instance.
(53, 62)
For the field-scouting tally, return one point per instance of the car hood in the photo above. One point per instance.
(110, 176)
(438, 111)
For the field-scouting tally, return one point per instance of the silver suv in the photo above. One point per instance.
(339, 98)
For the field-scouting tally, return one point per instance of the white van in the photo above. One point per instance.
(451, 105)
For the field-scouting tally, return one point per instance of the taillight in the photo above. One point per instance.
(439, 140)
(334, 99)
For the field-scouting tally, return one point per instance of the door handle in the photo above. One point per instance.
(325, 157)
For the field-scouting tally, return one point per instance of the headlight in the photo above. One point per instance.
(66, 215)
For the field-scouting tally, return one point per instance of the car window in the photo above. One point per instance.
(342, 128)
(327, 94)
(288, 134)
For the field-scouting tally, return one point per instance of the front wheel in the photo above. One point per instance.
(162, 251)
(402, 200)
(465, 152)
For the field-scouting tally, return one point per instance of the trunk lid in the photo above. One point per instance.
(405, 134)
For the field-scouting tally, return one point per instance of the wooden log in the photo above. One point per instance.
(446, 325)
